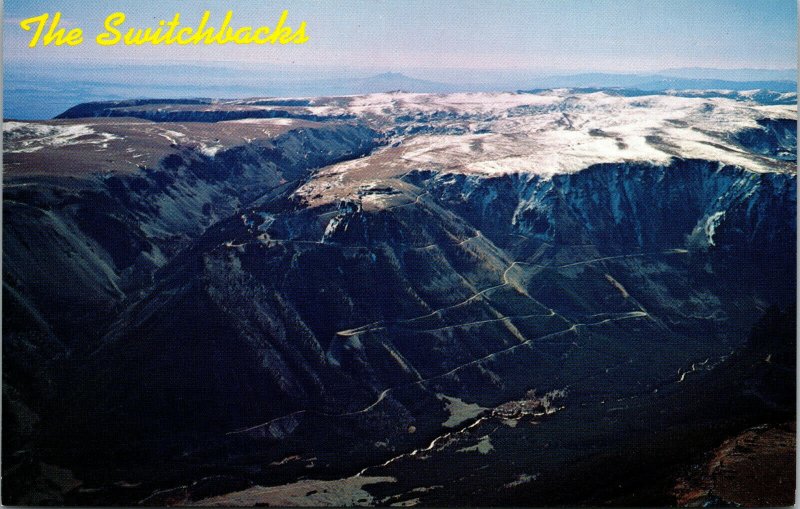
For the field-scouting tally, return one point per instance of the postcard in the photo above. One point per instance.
(399, 253)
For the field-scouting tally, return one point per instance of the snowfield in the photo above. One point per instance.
(30, 137)
(546, 134)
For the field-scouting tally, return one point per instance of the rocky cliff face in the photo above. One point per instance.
(77, 250)
(114, 230)
(711, 211)
(397, 302)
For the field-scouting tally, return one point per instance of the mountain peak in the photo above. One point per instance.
(390, 74)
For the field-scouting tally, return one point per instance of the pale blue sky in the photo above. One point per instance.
(552, 35)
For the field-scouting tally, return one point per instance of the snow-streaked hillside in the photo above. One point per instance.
(546, 134)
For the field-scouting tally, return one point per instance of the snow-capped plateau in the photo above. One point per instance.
(548, 134)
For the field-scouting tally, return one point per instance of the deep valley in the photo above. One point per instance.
(560, 297)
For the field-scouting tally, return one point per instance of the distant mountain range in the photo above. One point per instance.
(385, 82)
(391, 81)
(744, 74)
(34, 93)
(658, 82)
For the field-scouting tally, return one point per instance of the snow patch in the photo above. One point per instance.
(711, 225)
(30, 137)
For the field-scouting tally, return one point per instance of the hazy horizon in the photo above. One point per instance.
(36, 92)
(498, 45)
